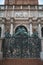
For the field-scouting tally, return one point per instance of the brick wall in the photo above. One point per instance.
(21, 62)
(31, 2)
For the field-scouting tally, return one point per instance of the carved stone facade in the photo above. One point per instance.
(21, 14)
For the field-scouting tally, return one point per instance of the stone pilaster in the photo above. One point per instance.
(11, 30)
(3, 30)
(39, 30)
(30, 21)
(30, 29)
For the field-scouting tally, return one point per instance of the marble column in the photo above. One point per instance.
(2, 31)
(39, 30)
(30, 29)
(11, 30)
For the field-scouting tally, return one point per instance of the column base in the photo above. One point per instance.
(1, 55)
(41, 55)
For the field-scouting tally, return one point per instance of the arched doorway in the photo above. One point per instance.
(21, 41)
(21, 28)
(21, 45)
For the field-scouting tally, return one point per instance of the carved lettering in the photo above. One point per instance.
(21, 14)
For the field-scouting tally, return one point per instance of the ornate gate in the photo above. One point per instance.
(21, 45)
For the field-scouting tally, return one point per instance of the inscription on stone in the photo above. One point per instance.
(21, 14)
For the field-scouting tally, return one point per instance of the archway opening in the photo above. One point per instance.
(22, 28)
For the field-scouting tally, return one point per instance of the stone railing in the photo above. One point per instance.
(3, 7)
(21, 11)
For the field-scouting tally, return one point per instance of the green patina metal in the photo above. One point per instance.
(7, 35)
(21, 45)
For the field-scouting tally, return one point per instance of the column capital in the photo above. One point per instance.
(30, 20)
(39, 20)
(12, 20)
(3, 20)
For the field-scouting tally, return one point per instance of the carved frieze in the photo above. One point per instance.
(21, 14)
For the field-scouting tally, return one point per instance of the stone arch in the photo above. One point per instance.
(21, 26)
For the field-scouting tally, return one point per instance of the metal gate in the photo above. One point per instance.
(21, 45)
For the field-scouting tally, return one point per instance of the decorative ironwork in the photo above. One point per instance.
(7, 35)
(21, 45)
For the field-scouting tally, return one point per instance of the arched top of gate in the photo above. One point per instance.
(22, 27)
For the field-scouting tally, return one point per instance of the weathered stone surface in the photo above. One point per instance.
(23, 2)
